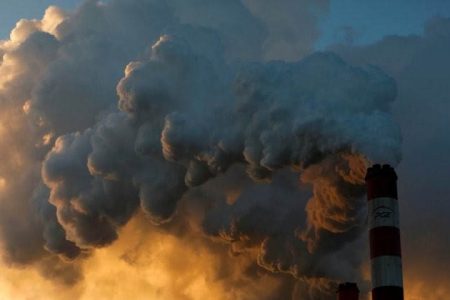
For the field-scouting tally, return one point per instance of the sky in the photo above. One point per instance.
(365, 22)
(210, 149)
(362, 21)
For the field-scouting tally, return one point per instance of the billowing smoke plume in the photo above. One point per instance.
(131, 107)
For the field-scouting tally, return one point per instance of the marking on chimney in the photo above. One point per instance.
(383, 212)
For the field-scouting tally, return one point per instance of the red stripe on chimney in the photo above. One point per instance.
(387, 293)
(385, 241)
(381, 182)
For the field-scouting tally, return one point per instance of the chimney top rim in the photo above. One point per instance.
(348, 286)
(378, 170)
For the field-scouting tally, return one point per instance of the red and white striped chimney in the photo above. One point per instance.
(348, 291)
(384, 234)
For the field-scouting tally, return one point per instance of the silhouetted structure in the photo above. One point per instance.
(348, 291)
(384, 234)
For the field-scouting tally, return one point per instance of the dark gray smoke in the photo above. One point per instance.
(130, 106)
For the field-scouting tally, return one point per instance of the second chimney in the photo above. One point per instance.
(348, 291)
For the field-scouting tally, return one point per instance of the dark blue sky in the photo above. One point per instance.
(367, 21)
(360, 21)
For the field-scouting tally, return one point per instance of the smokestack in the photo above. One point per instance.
(384, 234)
(348, 291)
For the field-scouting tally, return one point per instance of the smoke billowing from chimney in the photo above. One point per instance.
(158, 114)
